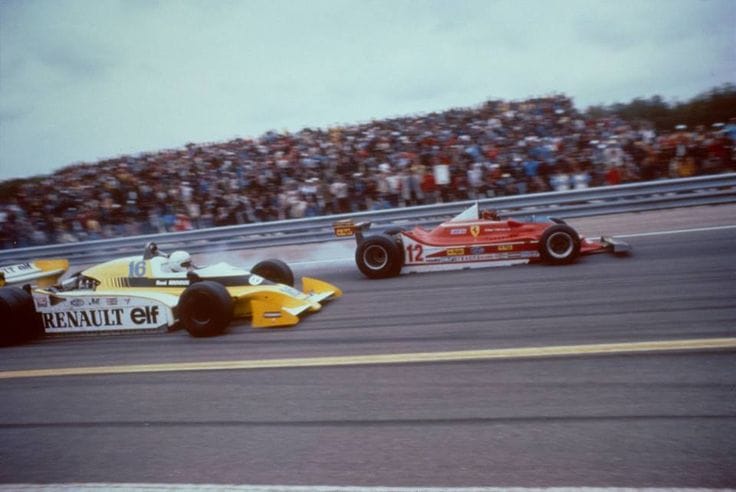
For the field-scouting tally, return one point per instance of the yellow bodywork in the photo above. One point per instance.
(43, 273)
(270, 305)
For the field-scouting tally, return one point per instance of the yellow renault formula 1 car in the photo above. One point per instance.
(152, 291)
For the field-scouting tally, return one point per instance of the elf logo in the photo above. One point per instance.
(147, 315)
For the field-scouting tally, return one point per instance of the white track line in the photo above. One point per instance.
(379, 359)
(680, 231)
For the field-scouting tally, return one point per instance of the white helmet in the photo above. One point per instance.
(179, 261)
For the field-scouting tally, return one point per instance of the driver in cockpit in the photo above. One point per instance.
(180, 261)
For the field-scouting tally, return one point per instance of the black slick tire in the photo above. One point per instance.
(559, 245)
(205, 309)
(274, 270)
(379, 257)
(18, 318)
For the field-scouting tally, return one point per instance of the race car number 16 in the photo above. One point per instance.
(136, 268)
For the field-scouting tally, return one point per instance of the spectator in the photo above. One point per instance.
(498, 148)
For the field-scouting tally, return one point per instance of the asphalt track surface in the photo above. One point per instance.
(627, 418)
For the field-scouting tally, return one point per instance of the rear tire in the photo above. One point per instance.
(274, 270)
(560, 245)
(205, 309)
(379, 257)
(20, 323)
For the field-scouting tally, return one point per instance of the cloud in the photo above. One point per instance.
(84, 79)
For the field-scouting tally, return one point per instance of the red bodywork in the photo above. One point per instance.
(470, 240)
(496, 235)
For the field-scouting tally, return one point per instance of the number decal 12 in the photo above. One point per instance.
(415, 253)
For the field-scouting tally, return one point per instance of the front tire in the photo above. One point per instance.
(560, 245)
(379, 257)
(274, 270)
(205, 309)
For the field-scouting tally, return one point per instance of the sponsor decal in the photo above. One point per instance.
(529, 254)
(343, 231)
(147, 315)
(226, 280)
(461, 259)
(479, 253)
(20, 268)
(505, 247)
(255, 280)
(475, 230)
(172, 282)
(455, 251)
(55, 300)
(100, 314)
(143, 316)
(458, 232)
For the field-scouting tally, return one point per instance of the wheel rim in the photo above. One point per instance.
(375, 257)
(560, 245)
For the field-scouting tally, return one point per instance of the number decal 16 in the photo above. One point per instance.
(137, 269)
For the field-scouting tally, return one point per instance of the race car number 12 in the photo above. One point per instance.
(415, 253)
(136, 268)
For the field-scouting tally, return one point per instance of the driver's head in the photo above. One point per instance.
(180, 261)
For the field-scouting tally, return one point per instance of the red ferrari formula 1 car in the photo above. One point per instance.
(470, 240)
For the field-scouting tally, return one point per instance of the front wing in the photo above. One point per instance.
(274, 306)
(605, 244)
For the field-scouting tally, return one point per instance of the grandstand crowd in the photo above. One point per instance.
(499, 148)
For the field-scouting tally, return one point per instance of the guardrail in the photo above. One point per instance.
(632, 197)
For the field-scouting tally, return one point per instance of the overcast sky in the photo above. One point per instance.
(91, 79)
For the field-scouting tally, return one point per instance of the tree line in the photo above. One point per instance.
(717, 105)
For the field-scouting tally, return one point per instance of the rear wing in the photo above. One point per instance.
(42, 273)
(348, 228)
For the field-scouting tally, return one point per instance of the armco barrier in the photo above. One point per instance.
(632, 197)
